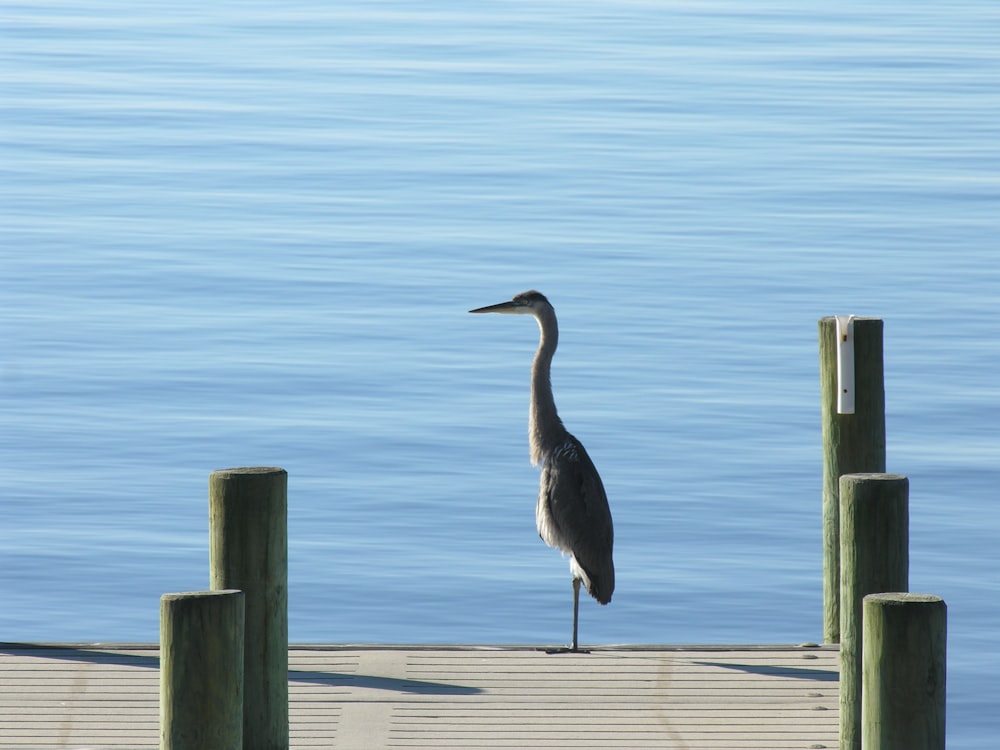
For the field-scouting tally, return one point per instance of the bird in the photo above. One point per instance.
(572, 513)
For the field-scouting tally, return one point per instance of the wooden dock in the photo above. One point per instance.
(366, 697)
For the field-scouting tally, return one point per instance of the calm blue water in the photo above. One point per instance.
(250, 235)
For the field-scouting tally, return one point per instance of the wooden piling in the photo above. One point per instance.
(852, 443)
(874, 557)
(905, 665)
(248, 512)
(201, 670)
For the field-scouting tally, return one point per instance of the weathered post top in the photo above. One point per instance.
(249, 470)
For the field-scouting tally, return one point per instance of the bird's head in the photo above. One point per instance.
(526, 303)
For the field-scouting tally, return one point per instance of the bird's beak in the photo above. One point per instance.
(502, 307)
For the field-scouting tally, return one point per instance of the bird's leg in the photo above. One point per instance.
(576, 610)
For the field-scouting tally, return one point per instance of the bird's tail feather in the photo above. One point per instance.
(601, 583)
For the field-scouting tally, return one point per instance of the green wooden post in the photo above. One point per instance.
(874, 557)
(905, 666)
(852, 443)
(248, 526)
(201, 671)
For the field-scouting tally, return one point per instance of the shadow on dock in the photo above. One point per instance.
(397, 685)
(78, 653)
(820, 675)
(152, 661)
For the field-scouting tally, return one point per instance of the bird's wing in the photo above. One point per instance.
(578, 506)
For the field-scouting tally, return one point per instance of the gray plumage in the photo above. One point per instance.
(572, 512)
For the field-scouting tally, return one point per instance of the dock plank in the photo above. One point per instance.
(696, 698)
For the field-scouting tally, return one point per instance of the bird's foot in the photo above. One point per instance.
(566, 650)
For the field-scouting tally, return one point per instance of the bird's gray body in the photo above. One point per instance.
(573, 515)
(572, 512)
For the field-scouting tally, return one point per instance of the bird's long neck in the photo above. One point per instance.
(545, 429)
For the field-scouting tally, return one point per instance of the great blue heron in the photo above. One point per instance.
(572, 512)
